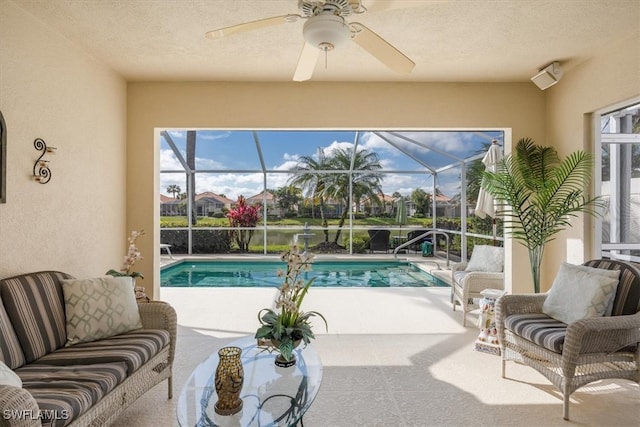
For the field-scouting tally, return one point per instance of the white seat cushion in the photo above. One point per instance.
(486, 258)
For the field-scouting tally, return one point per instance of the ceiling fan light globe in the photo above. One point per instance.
(323, 30)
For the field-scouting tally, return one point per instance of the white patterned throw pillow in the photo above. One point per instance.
(99, 308)
(579, 292)
(486, 258)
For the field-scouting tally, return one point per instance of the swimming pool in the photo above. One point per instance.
(327, 273)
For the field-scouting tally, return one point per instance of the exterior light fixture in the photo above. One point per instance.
(548, 76)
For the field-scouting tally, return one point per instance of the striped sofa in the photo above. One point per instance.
(575, 354)
(86, 384)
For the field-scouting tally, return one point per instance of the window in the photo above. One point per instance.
(334, 184)
(619, 182)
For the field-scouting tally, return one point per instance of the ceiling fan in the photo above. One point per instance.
(325, 29)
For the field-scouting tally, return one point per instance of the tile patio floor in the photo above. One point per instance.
(392, 357)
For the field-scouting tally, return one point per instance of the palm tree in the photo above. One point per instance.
(537, 193)
(191, 180)
(365, 179)
(173, 190)
(311, 181)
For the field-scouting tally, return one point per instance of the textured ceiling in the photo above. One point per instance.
(449, 40)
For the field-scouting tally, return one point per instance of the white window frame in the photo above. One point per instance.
(613, 249)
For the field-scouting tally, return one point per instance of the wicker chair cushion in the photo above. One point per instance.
(65, 392)
(627, 300)
(134, 348)
(539, 328)
(579, 291)
(35, 305)
(486, 258)
(459, 276)
(10, 352)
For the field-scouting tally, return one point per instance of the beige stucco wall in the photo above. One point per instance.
(519, 106)
(50, 89)
(610, 78)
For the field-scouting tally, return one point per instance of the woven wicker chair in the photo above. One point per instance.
(379, 240)
(587, 350)
(417, 246)
(467, 285)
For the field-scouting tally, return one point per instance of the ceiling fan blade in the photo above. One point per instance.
(381, 49)
(380, 5)
(249, 26)
(306, 63)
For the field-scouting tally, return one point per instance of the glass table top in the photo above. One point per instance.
(272, 396)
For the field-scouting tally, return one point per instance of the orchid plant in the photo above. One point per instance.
(133, 255)
(288, 324)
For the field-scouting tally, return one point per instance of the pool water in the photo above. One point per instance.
(327, 273)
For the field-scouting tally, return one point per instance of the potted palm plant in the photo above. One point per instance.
(537, 193)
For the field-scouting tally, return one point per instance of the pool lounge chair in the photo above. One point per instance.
(166, 247)
(379, 240)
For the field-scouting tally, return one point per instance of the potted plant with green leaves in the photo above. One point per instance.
(537, 193)
(286, 326)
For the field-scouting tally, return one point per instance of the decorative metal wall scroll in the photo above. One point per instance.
(41, 171)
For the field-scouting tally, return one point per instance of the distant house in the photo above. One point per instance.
(271, 207)
(446, 206)
(311, 207)
(170, 206)
(207, 204)
(386, 206)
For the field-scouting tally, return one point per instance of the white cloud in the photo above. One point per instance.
(168, 161)
(210, 136)
(286, 166)
(335, 145)
(373, 142)
(208, 164)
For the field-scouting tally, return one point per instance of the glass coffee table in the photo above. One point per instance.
(271, 396)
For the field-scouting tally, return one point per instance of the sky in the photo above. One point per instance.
(228, 150)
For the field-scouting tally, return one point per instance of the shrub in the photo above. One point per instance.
(204, 241)
(243, 215)
(360, 244)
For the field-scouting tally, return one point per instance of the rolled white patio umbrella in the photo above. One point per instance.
(486, 204)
